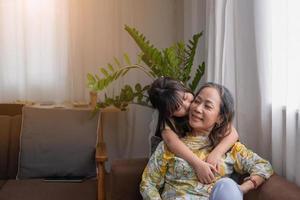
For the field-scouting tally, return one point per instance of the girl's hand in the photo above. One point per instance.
(205, 172)
(214, 159)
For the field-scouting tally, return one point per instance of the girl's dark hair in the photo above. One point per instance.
(164, 96)
(221, 130)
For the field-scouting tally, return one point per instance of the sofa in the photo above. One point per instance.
(38, 188)
(125, 177)
(122, 182)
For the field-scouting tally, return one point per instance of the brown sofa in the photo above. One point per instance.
(31, 189)
(121, 183)
(125, 177)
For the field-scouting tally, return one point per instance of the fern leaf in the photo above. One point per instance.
(127, 59)
(152, 56)
(117, 62)
(192, 46)
(104, 72)
(125, 71)
(138, 87)
(198, 76)
(110, 67)
(90, 77)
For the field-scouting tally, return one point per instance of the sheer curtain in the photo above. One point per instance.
(33, 49)
(252, 48)
(285, 88)
(47, 48)
(232, 60)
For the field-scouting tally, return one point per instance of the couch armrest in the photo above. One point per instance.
(101, 158)
(275, 188)
(11, 109)
(101, 153)
(125, 177)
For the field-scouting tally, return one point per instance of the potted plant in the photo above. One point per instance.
(175, 61)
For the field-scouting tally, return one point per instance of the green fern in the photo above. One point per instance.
(128, 95)
(190, 55)
(151, 56)
(199, 73)
(175, 61)
(113, 73)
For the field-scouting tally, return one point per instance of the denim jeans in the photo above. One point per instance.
(226, 189)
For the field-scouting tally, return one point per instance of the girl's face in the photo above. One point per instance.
(183, 110)
(205, 109)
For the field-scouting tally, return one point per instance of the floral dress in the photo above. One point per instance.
(169, 177)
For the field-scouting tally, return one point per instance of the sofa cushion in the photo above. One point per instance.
(2, 182)
(57, 142)
(125, 177)
(37, 189)
(4, 144)
(277, 188)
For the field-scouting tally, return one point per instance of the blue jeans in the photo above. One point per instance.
(226, 189)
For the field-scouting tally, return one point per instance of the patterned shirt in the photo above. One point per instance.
(169, 177)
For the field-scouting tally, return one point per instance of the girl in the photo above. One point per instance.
(172, 100)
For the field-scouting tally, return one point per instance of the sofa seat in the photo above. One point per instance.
(2, 182)
(125, 177)
(37, 189)
(275, 188)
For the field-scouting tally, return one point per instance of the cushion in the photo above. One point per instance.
(125, 178)
(57, 142)
(2, 182)
(36, 189)
(277, 188)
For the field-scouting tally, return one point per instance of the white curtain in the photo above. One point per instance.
(33, 49)
(252, 48)
(48, 46)
(194, 22)
(285, 88)
(232, 61)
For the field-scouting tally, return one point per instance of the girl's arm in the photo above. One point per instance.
(204, 171)
(226, 143)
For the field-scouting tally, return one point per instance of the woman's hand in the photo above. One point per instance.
(205, 172)
(214, 159)
(246, 187)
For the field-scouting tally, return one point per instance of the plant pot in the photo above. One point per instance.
(93, 99)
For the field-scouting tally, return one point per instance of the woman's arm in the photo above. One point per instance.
(247, 161)
(252, 183)
(226, 143)
(204, 171)
(153, 175)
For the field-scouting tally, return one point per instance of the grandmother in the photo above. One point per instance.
(169, 177)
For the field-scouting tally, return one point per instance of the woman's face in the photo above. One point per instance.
(187, 99)
(204, 110)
